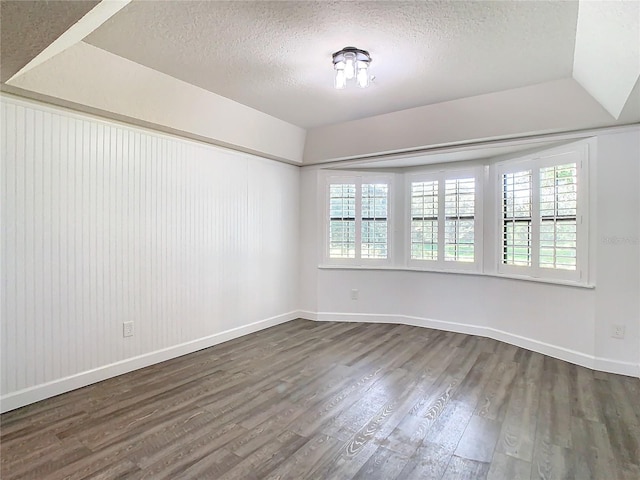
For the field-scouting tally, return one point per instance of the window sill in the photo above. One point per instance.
(566, 283)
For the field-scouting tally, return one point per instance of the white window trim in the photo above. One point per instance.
(442, 265)
(358, 179)
(578, 154)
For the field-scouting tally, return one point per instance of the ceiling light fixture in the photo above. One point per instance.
(350, 63)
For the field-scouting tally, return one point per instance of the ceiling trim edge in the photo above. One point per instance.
(565, 136)
(76, 33)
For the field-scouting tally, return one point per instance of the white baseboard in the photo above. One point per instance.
(615, 366)
(36, 393)
(561, 353)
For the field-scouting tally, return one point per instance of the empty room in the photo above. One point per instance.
(320, 240)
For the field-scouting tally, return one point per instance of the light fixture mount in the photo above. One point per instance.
(351, 63)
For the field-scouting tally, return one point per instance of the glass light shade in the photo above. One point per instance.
(341, 79)
(350, 65)
(363, 75)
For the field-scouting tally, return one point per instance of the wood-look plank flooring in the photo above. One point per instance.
(307, 400)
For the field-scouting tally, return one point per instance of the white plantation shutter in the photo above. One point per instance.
(459, 211)
(424, 220)
(358, 226)
(342, 220)
(558, 216)
(541, 228)
(444, 221)
(374, 220)
(517, 208)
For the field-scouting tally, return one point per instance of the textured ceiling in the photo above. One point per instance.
(276, 56)
(46, 21)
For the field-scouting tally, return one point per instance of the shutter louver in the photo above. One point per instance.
(558, 216)
(517, 189)
(459, 211)
(342, 223)
(424, 220)
(374, 220)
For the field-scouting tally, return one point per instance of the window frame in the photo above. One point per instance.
(577, 154)
(358, 180)
(441, 176)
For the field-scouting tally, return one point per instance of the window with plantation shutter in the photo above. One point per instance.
(358, 227)
(424, 220)
(541, 224)
(459, 214)
(342, 220)
(374, 220)
(517, 188)
(558, 216)
(445, 224)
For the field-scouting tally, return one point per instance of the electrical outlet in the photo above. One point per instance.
(354, 294)
(617, 331)
(127, 329)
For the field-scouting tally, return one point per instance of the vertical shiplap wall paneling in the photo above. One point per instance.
(43, 250)
(54, 243)
(104, 223)
(30, 330)
(7, 239)
(3, 237)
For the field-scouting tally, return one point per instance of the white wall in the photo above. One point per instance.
(564, 321)
(104, 223)
(618, 244)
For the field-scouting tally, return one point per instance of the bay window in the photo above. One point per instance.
(522, 218)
